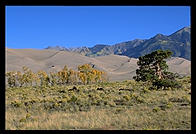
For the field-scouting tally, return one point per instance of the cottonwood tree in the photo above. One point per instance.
(19, 77)
(85, 74)
(98, 77)
(53, 79)
(153, 68)
(82, 77)
(72, 76)
(11, 78)
(28, 76)
(63, 76)
(44, 78)
(36, 79)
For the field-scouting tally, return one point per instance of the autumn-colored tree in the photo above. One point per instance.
(98, 76)
(72, 76)
(85, 73)
(36, 79)
(28, 76)
(19, 77)
(63, 75)
(59, 81)
(84, 68)
(11, 78)
(44, 79)
(89, 75)
(82, 77)
(93, 75)
(53, 79)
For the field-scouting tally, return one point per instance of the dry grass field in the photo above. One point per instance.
(123, 105)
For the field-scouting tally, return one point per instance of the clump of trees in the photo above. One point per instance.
(153, 68)
(88, 75)
(85, 75)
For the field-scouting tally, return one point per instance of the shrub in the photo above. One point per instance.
(166, 83)
(156, 109)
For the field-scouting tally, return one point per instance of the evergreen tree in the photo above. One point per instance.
(153, 68)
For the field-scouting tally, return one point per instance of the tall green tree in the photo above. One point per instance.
(153, 68)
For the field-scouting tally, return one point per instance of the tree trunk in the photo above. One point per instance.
(158, 71)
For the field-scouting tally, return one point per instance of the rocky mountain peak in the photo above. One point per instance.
(60, 48)
(159, 37)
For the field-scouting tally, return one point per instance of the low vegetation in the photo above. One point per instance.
(115, 105)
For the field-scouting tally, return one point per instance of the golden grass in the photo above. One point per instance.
(136, 118)
(149, 110)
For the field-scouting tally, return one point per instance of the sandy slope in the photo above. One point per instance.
(117, 67)
(179, 65)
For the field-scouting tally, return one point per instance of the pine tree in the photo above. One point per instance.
(153, 68)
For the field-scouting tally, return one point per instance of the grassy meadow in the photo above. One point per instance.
(128, 105)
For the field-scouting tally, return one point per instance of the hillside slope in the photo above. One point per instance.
(117, 67)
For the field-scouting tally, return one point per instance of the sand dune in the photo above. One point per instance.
(117, 67)
(179, 65)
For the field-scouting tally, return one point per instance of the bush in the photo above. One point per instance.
(166, 83)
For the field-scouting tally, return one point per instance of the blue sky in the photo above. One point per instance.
(75, 26)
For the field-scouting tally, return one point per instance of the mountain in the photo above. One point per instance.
(60, 48)
(102, 49)
(182, 35)
(178, 43)
(117, 67)
(81, 50)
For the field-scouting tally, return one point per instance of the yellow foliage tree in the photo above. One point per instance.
(63, 75)
(85, 74)
(11, 78)
(44, 79)
(19, 78)
(36, 79)
(72, 76)
(82, 77)
(28, 76)
(53, 78)
(89, 75)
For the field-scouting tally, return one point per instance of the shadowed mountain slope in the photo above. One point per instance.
(178, 43)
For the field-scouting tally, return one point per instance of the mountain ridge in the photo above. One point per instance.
(178, 42)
